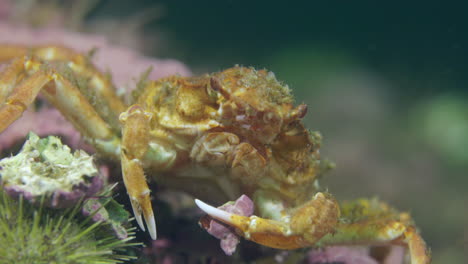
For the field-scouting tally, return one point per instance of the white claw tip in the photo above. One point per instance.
(151, 224)
(214, 212)
(137, 214)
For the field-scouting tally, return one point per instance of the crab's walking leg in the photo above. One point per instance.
(20, 92)
(374, 222)
(11, 51)
(13, 104)
(135, 140)
(98, 89)
(303, 227)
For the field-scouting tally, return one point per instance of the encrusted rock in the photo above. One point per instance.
(47, 168)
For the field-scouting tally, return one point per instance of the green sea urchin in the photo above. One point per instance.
(30, 234)
(44, 175)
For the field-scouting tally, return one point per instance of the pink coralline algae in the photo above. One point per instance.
(228, 238)
(5, 8)
(340, 254)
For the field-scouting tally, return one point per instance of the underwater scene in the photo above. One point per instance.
(233, 132)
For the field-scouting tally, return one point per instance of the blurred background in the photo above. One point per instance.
(386, 85)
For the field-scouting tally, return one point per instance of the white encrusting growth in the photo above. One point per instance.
(44, 166)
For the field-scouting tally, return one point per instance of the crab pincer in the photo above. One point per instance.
(135, 138)
(298, 228)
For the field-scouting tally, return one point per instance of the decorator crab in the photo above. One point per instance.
(216, 136)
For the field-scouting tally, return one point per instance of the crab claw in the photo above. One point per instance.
(262, 231)
(139, 194)
(142, 205)
(301, 231)
(135, 138)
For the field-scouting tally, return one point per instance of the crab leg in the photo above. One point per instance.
(8, 78)
(303, 227)
(135, 141)
(363, 222)
(14, 98)
(58, 90)
(374, 222)
(11, 51)
(98, 85)
(385, 232)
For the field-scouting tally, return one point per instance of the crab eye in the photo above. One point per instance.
(217, 87)
(268, 117)
(212, 94)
